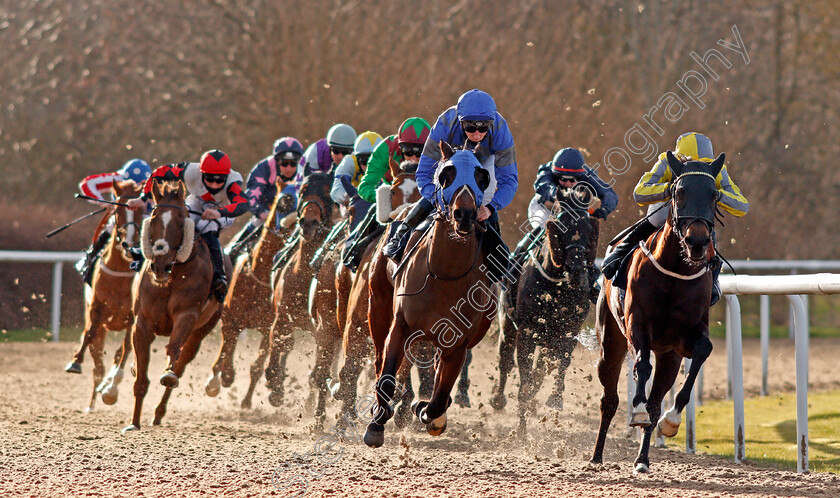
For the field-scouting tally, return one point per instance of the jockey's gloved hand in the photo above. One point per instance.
(549, 196)
(600, 213)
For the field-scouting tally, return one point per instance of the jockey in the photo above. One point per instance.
(403, 149)
(323, 156)
(97, 186)
(262, 189)
(653, 190)
(567, 170)
(473, 122)
(215, 191)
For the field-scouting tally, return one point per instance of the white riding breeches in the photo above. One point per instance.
(206, 226)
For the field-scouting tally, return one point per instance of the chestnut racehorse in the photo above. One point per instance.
(172, 294)
(248, 305)
(292, 281)
(551, 301)
(442, 295)
(665, 310)
(391, 202)
(108, 299)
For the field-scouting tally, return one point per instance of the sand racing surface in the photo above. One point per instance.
(209, 446)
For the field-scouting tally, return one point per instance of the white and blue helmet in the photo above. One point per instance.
(137, 170)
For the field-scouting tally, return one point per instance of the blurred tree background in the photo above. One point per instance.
(88, 84)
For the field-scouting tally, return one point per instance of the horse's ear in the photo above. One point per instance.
(446, 150)
(116, 186)
(156, 192)
(675, 164)
(182, 190)
(482, 178)
(717, 164)
(447, 175)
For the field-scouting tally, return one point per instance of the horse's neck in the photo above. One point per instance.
(449, 257)
(665, 248)
(263, 255)
(547, 262)
(113, 257)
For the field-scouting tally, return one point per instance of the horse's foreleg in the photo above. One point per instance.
(403, 415)
(448, 369)
(188, 352)
(182, 327)
(324, 356)
(667, 367)
(525, 347)
(97, 352)
(642, 369)
(142, 339)
(257, 368)
(613, 350)
(386, 383)
(669, 424)
(281, 341)
(564, 353)
(462, 397)
(507, 348)
(94, 329)
(108, 386)
(224, 362)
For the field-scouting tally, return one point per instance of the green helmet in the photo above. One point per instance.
(413, 131)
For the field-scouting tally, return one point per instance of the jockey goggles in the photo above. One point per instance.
(363, 159)
(412, 150)
(289, 163)
(567, 179)
(476, 126)
(344, 151)
(213, 178)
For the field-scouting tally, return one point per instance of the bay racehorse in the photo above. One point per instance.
(372, 278)
(665, 309)
(248, 304)
(291, 282)
(550, 303)
(439, 297)
(172, 295)
(108, 299)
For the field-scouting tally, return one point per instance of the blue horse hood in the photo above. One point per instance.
(465, 164)
(476, 105)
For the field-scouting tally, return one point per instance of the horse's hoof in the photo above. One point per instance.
(169, 379)
(109, 395)
(246, 404)
(555, 402)
(669, 424)
(499, 401)
(334, 388)
(213, 386)
(417, 407)
(73, 368)
(374, 437)
(640, 418)
(641, 468)
(463, 400)
(275, 398)
(156, 421)
(437, 426)
(130, 428)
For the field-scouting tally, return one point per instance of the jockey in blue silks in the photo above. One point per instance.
(473, 123)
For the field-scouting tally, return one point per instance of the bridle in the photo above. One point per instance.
(675, 217)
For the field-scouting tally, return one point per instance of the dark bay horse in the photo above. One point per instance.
(439, 297)
(551, 302)
(248, 305)
(172, 294)
(665, 310)
(292, 281)
(369, 279)
(108, 299)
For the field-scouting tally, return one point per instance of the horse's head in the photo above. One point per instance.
(315, 206)
(126, 221)
(568, 232)
(694, 197)
(462, 182)
(404, 187)
(168, 235)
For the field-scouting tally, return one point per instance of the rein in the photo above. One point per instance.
(659, 267)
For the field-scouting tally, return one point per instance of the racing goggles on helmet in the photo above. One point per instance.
(409, 150)
(213, 178)
(363, 159)
(567, 179)
(476, 126)
(344, 151)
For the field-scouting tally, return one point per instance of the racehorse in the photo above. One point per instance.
(108, 299)
(248, 305)
(372, 278)
(665, 309)
(431, 293)
(292, 281)
(172, 295)
(551, 301)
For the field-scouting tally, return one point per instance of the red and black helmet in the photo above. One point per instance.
(215, 162)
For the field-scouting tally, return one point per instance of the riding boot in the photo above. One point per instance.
(283, 254)
(517, 257)
(235, 249)
(594, 286)
(85, 265)
(219, 284)
(418, 213)
(612, 263)
(715, 264)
